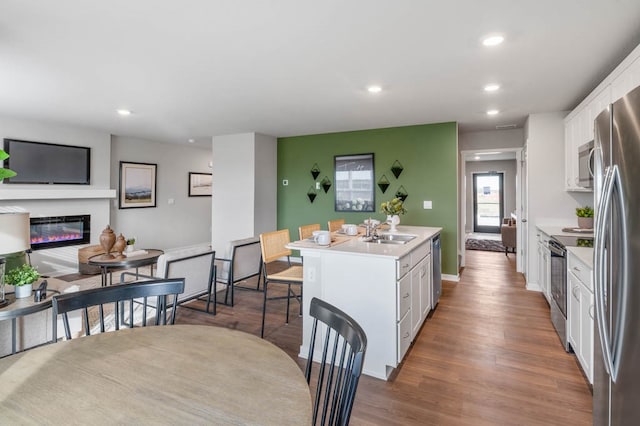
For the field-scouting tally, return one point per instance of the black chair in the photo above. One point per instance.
(337, 378)
(153, 294)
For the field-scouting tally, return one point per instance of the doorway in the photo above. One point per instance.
(488, 202)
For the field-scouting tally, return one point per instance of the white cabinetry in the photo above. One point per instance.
(578, 130)
(628, 80)
(544, 265)
(580, 312)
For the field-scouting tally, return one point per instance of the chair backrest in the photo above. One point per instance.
(306, 231)
(272, 245)
(156, 294)
(337, 377)
(243, 262)
(335, 225)
(194, 266)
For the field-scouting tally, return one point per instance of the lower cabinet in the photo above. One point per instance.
(580, 313)
(544, 265)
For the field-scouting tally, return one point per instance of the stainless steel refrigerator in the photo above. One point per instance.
(616, 378)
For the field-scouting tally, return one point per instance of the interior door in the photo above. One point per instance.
(488, 202)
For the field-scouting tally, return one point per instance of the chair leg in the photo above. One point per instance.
(288, 301)
(264, 307)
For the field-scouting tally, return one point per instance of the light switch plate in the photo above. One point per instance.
(285, 182)
(427, 205)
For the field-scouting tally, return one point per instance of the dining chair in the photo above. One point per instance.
(158, 294)
(273, 247)
(335, 225)
(337, 379)
(306, 231)
(244, 262)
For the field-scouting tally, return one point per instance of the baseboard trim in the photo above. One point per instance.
(534, 287)
(448, 277)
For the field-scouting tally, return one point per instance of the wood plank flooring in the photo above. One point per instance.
(488, 355)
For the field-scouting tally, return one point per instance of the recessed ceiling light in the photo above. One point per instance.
(190, 141)
(493, 40)
(493, 112)
(491, 87)
(374, 89)
(124, 112)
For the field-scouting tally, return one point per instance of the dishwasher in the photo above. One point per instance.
(436, 285)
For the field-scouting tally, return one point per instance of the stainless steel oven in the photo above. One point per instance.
(558, 288)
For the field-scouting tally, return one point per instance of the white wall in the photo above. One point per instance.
(59, 261)
(493, 139)
(244, 195)
(508, 167)
(549, 203)
(186, 221)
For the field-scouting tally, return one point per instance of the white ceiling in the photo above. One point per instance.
(198, 68)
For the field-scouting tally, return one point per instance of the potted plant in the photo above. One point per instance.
(585, 217)
(22, 278)
(393, 209)
(5, 173)
(130, 244)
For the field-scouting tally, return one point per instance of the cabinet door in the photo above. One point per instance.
(570, 154)
(574, 312)
(627, 81)
(426, 274)
(416, 317)
(586, 332)
(546, 270)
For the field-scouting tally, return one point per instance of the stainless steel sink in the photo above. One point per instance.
(393, 239)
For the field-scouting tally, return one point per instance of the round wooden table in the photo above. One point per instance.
(106, 261)
(180, 374)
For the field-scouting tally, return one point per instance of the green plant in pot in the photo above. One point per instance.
(22, 278)
(585, 217)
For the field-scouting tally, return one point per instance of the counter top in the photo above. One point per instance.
(585, 254)
(557, 230)
(355, 245)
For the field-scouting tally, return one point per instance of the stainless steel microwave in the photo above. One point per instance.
(585, 165)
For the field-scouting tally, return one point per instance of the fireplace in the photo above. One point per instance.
(59, 231)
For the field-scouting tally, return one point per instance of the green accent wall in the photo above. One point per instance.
(427, 152)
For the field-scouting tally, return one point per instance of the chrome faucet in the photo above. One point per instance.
(371, 230)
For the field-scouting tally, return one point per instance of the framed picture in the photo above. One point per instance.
(355, 191)
(137, 185)
(200, 184)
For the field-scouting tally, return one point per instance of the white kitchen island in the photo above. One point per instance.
(385, 287)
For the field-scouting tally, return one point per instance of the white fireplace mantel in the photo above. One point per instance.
(55, 194)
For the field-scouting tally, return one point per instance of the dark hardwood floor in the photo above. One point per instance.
(488, 355)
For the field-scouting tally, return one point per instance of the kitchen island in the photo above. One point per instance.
(385, 287)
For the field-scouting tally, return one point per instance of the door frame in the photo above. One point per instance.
(521, 205)
(483, 228)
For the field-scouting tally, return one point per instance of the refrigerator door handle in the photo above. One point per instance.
(599, 262)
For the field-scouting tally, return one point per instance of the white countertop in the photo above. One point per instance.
(355, 245)
(557, 230)
(585, 254)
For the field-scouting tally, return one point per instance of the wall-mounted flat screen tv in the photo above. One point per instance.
(47, 163)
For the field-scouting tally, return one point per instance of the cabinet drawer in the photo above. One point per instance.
(403, 265)
(404, 296)
(420, 252)
(580, 270)
(404, 336)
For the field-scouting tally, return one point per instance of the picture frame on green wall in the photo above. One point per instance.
(354, 183)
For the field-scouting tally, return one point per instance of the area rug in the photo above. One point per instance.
(485, 245)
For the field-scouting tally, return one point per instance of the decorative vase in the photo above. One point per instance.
(585, 222)
(107, 239)
(119, 246)
(23, 291)
(130, 248)
(393, 220)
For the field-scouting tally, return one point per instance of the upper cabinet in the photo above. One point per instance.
(628, 80)
(578, 126)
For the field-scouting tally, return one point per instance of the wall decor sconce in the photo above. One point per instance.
(326, 184)
(383, 184)
(401, 193)
(315, 171)
(311, 193)
(396, 168)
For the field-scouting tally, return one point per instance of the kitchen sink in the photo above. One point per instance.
(393, 239)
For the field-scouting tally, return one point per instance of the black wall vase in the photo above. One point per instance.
(396, 168)
(383, 184)
(326, 184)
(315, 171)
